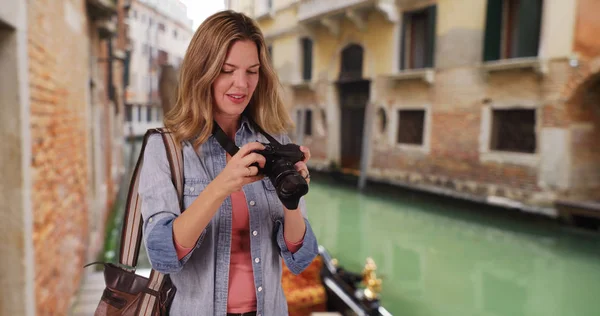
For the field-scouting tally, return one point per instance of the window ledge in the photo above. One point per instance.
(266, 15)
(534, 63)
(413, 148)
(303, 84)
(425, 74)
(503, 157)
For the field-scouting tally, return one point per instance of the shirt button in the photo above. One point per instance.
(150, 220)
(256, 260)
(192, 189)
(260, 288)
(252, 203)
(254, 233)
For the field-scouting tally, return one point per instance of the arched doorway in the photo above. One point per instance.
(585, 109)
(582, 205)
(353, 97)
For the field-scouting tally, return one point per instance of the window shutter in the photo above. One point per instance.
(307, 58)
(493, 29)
(405, 21)
(530, 14)
(431, 34)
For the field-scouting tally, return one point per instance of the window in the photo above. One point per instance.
(149, 114)
(512, 29)
(139, 114)
(129, 112)
(352, 63)
(161, 27)
(163, 57)
(308, 122)
(270, 53)
(175, 34)
(411, 125)
(306, 59)
(513, 130)
(381, 120)
(418, 39)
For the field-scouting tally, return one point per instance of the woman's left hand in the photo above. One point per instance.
(301, 165)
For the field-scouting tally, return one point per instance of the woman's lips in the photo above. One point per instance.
(237, 98)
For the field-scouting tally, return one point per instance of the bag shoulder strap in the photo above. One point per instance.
(131, 234)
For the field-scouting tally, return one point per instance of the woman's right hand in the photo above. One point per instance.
(238, 171)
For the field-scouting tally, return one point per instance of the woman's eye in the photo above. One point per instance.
(227, 71)
(253, 72)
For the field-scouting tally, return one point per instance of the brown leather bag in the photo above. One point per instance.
(126, 293)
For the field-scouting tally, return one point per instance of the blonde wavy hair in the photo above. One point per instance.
(191, 118)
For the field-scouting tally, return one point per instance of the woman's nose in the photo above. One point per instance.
(241, 80)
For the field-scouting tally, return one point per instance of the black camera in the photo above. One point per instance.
(279, 168)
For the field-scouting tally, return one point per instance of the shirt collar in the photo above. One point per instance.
(246, 125)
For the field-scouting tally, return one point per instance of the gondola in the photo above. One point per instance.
(325, 286)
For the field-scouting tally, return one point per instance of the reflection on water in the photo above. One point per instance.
(440, 258)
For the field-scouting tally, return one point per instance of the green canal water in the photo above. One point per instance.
(439, 257)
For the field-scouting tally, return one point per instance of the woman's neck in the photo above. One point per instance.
(229, 124)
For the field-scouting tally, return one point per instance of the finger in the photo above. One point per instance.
(300, 165)
(252, 158)
(248, 180)
(253, 171)
(245, 172)
(244, 150)
(306, 152)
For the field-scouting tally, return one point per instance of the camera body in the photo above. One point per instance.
(279, 168)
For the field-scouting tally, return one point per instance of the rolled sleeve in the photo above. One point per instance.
(301, 259)
(160, 207)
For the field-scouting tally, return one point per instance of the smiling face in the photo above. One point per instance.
(234, 86)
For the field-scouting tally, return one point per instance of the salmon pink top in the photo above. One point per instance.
(242, 295)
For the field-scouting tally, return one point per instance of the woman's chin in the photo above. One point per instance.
(233, 109)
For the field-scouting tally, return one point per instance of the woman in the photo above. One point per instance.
(223, 253)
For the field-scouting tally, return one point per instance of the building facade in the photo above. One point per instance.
(160, 32)
(61, 90)
(492, 101)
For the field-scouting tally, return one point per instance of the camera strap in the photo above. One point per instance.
(229, 145)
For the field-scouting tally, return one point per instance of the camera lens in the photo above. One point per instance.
(289, 184)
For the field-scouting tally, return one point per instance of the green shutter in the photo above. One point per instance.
(530, 15)
(431, 34)
(307, 58)
(405, 20)
(493, 29)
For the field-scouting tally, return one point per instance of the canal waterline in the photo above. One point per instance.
(441, 257)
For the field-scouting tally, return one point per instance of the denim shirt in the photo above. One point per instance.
(201, 277)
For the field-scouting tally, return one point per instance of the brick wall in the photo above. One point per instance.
(59, 156)
(587, 43)
(59, 70)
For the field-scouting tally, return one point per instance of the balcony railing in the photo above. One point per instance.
(101, 8)
(310, 9)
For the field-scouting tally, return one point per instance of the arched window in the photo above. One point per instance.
(352, 62)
